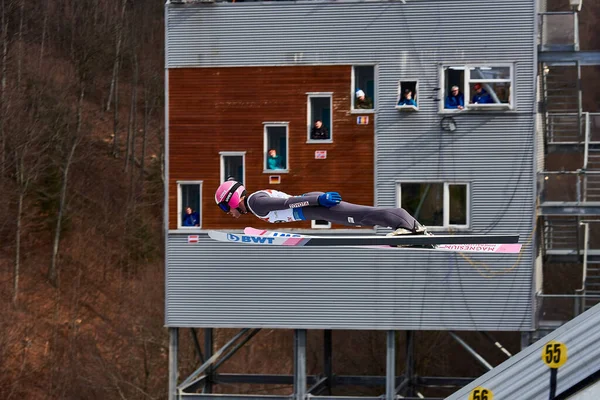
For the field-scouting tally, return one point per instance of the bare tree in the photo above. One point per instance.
(20, 52)
(75, 140)
(116, 61)
(3, 96)
(44, 29)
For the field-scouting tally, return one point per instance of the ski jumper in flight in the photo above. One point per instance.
(275, 206)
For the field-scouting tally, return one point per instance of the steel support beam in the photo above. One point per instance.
(390, 366)
(409, 372)
(497, 344)
(208, 365)
(208, 350)
(173, 371)
(235, 349)
(327, 360)
(480, 359)
(299, 364)
(558, 58)
(197, 345)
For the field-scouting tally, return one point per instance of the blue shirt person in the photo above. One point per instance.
(481, 96)
(455, 100)
(407, 99)
(191, 218)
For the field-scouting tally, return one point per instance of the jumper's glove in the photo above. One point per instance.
(330, 199)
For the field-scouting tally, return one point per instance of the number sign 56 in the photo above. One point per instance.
(480, 393)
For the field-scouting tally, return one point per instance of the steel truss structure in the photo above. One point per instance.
(200, 383)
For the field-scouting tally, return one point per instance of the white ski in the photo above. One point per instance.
(456, 243)
(507, 248)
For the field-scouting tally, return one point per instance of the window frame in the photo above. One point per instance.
(223, 154)
(309, 118)
(415, 97)
(180, 205)
(353, 89)
(445, 203)
(267, 125)
(466, 89)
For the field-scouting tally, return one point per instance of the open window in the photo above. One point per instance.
(233, 165)
(276, 148)
(436, 204)
(363, 88)
(407, 96)
(319, 117)
(189, 207)
(477, 87)
(320, 224)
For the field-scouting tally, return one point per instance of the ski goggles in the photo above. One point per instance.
(224, 206)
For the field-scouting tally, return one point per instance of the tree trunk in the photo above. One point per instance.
(44, 28)
(3, 93)
(147, 111)
(20, 55)
(53, 272)
(133, 125)
(118, 41)
(116, 119)
(18, 248)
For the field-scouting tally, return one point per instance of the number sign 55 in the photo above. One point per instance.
(554, 354)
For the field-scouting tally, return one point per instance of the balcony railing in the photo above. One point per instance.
(559, 31)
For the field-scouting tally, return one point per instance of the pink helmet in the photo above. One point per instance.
(229, 195)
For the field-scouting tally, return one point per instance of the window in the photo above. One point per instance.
(488, 87)
(232, 165)
(407, 96)
(363, 87)
(189, 210)
(436, 204)
(320, 224)
(276, 146)
(319, 119)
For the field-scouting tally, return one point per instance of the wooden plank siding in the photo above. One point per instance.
(223, 109)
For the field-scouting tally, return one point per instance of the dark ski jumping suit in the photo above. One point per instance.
(275, 206)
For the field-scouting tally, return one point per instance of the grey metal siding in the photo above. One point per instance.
(231, 285)
(215, 284)
(525, 376)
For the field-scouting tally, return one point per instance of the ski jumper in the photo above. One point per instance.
(275, 206)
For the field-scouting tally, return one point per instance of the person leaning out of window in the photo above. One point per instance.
(481, 96)
(319, 131)
(407, 99)
(363, 101)
(455, 100)
(273, 160)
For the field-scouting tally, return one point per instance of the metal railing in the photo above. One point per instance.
(565, 186)
(559, 31)
(562, 128)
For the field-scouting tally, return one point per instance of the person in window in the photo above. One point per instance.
(319, 131)
(407, 99)
(363, 102)
(273, 161)
(455, 100)
(481, 96)
(190, 218)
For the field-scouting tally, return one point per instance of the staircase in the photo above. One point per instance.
(592, 176)
(562, 104)
(592, 285)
